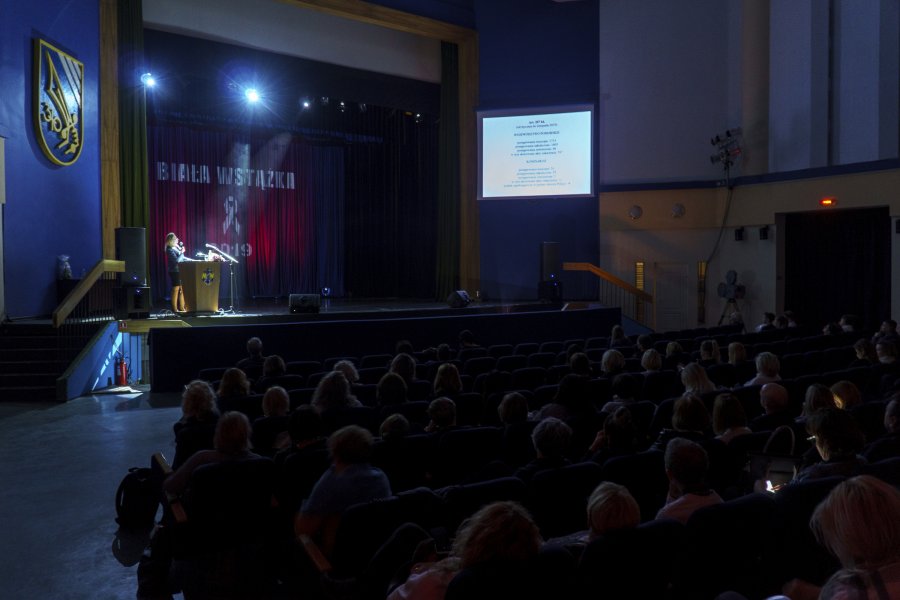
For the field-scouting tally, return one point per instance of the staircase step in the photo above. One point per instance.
(14, 342)
(28, 394)
(28, 380)
(10, 367)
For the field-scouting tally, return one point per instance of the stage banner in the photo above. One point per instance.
(274, 202)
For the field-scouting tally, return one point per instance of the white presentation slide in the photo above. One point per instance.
(536, 155)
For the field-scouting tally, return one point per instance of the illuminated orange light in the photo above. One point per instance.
(828, 201)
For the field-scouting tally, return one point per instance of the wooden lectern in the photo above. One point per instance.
(201, 285)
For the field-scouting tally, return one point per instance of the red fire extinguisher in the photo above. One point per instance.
(121, 371)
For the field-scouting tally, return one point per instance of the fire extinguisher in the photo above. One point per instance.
(121, 371)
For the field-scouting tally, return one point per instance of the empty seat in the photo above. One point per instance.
(478, 365)
(552, 347)
(375, 360)
(512, 362)
(645, 477)
(544, 360)
(526, 348)
(303, 367)
(528, 378)
(462, 453)
(468, 353)
(557, 498)
(500, 350)
(462, 501)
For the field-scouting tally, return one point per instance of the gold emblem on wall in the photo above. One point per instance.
(58, 102)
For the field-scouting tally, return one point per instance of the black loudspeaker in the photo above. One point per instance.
(132, 302)
(458, 299)
(550, 264)
(550, 291)
(739, 234)
(304, 303)
(131, 246)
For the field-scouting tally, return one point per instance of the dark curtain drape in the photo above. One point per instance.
(448, 197)
(132, 116)
(273, 202)
(838, 262)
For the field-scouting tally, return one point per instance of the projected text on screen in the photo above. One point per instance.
(536, 155)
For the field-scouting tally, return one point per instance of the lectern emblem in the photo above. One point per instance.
(208, 276)
(58, 101)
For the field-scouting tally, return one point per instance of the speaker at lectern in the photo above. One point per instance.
(201, 285)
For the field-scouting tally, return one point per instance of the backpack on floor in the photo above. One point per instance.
(137, 499)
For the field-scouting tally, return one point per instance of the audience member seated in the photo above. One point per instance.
(887, 333)
(782, 322)
(859, 523)
(612, 363)
(610, 507)
(651, 361)
(729, 418)
(518, 448)
(394, 427)
(570, 399)
(839, 442)
(767, 367)
(196, 428)
(737, 353)
(617, 438)
(644, 343)
(832, 328)
(499, 535)
(675, 356)
(404, 365)
(617, 338)
(233, 387)
(625, 389)
(709, 353)
(774, 399)
(466, 339)
(580, 364)
(270, 431)
(889, 445)
(391, 390)
(306, 431)
(686, 466)
(768, 323)
(333, 393)
(404, 347)
(273, 368)
(865, 354)
(849, 323)
(447, 381)
(441, 415)
(349, 480)
(690, 420)
(887, 352)
(818, 397)
(695, 380)
(846, 395)
(551, 439)
(231, 442)
(252, 365)
(349, 370)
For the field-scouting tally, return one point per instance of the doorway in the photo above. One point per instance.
(835, 262)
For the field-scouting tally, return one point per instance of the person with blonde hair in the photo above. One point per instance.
(332, 393)
(818, 397)
(233, 387)
(859, 523)
(270, 431)
(500, 534)
(612, 363)
(767, 368)
(846, 394)
(610, 507)
(348, 369)
(695, 380)
(651, 361)
(709, 353)
(230, 442)
(195, 429)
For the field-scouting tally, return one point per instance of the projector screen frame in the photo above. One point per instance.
(536, 111)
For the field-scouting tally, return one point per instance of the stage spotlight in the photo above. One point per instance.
(305, 103)
(342, 106)
(418, 117)
(148, 80)
(252, 95)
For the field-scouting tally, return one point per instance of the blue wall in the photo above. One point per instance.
(536, 53)
(50, 210)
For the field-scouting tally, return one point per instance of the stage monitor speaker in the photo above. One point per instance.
(131, 246)
(458, 299)
(304, 303)
(550, 264)
(132, 302)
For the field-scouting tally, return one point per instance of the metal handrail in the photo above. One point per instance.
(83, 288)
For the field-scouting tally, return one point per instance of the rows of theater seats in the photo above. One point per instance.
(752, 543)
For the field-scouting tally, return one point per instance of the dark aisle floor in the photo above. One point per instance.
(60, 466)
